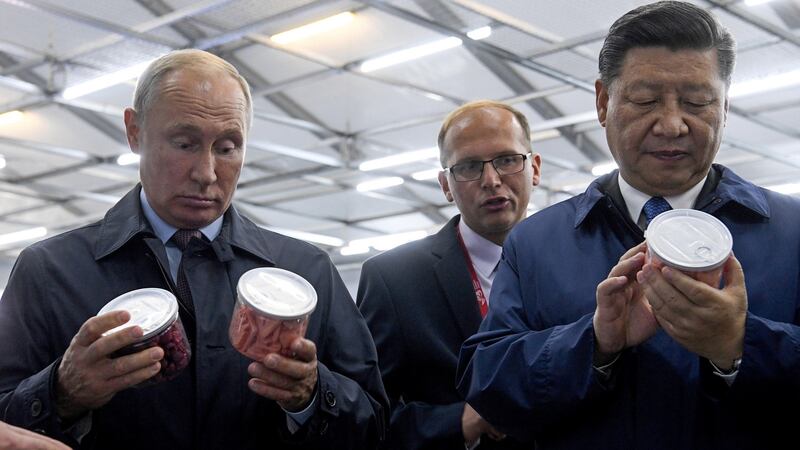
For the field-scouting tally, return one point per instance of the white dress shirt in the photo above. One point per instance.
(635, 199)
(485, 256)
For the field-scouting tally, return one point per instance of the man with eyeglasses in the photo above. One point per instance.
(423, 299)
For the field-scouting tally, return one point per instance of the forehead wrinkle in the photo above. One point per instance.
(198, 106)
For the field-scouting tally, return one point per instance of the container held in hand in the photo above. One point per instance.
(271, 311)
(156, 312)
(691, 241)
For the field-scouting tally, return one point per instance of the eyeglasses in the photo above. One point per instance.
(473, 170)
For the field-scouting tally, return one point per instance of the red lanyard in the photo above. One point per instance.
(483, 305)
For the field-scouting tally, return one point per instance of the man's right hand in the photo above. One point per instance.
(13, 438)
(473, 426)
(88, 378)
(623, 317)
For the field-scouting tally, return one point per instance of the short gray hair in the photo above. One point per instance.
(149, 84)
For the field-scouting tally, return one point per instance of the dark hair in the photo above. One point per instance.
(671, 24)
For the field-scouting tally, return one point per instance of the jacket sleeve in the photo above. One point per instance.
(521, 378)
(770, 364)
(352, 406)
(29, 362)
(414, 425)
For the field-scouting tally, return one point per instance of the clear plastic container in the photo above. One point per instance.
(156, 312)
(691, 241)
(271, 311)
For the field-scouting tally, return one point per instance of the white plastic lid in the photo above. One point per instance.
(689, 239)
(277, 293)
(152, 309)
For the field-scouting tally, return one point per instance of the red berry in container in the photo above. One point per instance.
(156, 312)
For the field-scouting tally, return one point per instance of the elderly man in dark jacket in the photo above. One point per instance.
(189, 124)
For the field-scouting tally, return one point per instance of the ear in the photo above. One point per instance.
(445, 186)
(725, 113)
(601, 101)
(132, 129)
(536, 165)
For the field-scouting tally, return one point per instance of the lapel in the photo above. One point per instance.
(454, 279)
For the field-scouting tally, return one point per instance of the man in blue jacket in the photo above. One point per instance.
(191, 114)
(588, 346)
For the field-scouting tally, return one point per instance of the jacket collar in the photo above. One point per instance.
(454, 280)
(121, 223)
(731, 188)
(125, 220)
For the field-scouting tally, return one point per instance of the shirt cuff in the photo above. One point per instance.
(730, 375)
(296, 420)
(80, 428)
(605, 370)
(472, 445)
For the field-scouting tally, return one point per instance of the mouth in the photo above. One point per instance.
(496, 203)
(197, 200)
(669, 155)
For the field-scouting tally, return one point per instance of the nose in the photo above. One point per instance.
(671, 122)
(490, 177)
(204, 168)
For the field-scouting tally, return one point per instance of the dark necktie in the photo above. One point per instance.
(654, 207)
(181, 239)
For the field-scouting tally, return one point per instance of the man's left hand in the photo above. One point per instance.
(705, 320)
(288, 381)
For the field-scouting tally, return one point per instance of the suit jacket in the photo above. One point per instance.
(420, 306)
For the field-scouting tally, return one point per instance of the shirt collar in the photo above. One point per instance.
(635, 199)
(164, 231)
(484, 253)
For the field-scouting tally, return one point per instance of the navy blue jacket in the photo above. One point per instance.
(529, 369)
(419, 305)
(59, 283)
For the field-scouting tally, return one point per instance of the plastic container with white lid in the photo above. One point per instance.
(271, 311)
(156, 312)
(691, 241)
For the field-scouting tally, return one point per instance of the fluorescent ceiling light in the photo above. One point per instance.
(603, 168)
(786, 188)
(388, 241)
(399, 159)
(768, 83)
(310, 237)
(576, 188)
(350, 250)
(480, 33)
(433, 96)
(2, 161)
(97, 84)
(127, 159)
(11, 117)
(296, 153)
(545, 135)
(24, 235)
(409, 54)
(427, 174)
(313, 28)
(380, 183)
(573, 119)
(755, 2)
